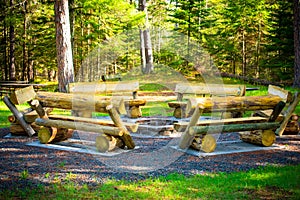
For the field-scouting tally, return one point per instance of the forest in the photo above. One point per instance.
(244, 38)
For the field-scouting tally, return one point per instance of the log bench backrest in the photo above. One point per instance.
(182, 89)
(105, 88)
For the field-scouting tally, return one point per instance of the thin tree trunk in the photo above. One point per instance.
(24, 74)
(5, 77)
(63, 45)
(297, 43)
(12, 67)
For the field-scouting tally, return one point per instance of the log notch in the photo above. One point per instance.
(48, 135)
(264, 138)
(28, 129)
(114, 115)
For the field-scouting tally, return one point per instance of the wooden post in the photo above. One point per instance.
(29, 130)
(288, 114)
(187, 137)
(118, 122)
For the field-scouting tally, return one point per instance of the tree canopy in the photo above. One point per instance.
(250, 38)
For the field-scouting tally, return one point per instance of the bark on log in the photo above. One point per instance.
(206, 143)
(76, 101)
(118, 122)
(114, 131)
(264, 138)
(48, 135)
(28, 129)
(132, 127)
(195, 130)
(181, 126)
(17, 129)
(245, 103)
(186, 138)
(35, 104)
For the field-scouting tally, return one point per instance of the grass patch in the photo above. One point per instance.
(271, 182)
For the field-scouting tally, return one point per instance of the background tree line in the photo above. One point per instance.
(250, 38)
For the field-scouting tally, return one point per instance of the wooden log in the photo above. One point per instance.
(134, 112)
(101, 88)
(12, 118)
(28, 129)
(22, 95)
(17, 129)
(114, 131)
(245, 103)
(187, 138)
(285, 95)
(195, 130)
(118, 122)
(292, 128)
(76, 101)
(288, 114)
(276, 111)
(48, 135)
(132, 127)
(267, 114)
(135, 102)
(206, 143)
(35, 104)
(104, 144)
(177, 104)
(264, 138)
(181, 126)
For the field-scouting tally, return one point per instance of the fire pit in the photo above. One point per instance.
(155, 126)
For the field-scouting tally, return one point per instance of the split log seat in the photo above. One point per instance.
(201, 90)
(256, 130)
(113, 133)
(116, 91)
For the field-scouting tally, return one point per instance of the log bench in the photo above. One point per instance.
(117, 91)
(53, 128)
(256, 130)
(184, 90)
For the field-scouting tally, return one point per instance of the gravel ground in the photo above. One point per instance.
(23, 165)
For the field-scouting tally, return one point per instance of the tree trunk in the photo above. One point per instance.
(297, 43)
(63, 45)
(146, 47)
(12, 67)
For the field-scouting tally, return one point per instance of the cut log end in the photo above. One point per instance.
(209, 144)
(48, 135)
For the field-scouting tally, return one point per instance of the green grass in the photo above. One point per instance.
(269, 182)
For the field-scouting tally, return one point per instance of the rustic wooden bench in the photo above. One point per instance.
(256, 130)
(54, 128)
(8, 87)
(117, 91)
(185, 90)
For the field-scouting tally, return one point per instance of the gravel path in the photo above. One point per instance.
(23, 165)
